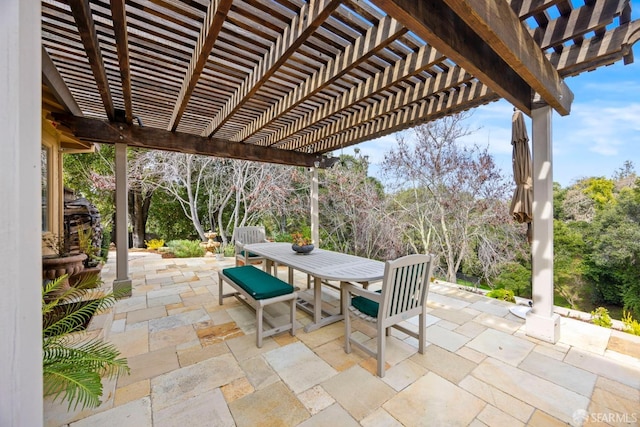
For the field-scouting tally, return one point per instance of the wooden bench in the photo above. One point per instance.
(258, 289)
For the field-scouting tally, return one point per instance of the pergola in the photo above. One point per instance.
(281, 81)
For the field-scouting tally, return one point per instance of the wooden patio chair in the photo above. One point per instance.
(403, 295)
(246, 236)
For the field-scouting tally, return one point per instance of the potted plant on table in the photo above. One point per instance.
(301, 243)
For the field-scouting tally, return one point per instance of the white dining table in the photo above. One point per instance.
(322, 265)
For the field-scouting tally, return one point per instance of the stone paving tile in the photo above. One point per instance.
(206, 409)
(333, 415)
(146, 314)
(149, 365)
(624, 343)
(545, 395)
(185, 383)
(618, 389)
(403, 374)
(605, 367)
(198, 354)
(380, 418)
(316, 399)
(488, 305)
(298, 366)
(333, 353)
(244, 347)
(442, 301)
(136, 413)
(494, 417)
(237, 389)
(456, 316)
(445, 338)
(274, 405)
(583, 335)
(470, 329)
(162, 301)
(432, 400)
(542, 419)
(132, 342)
(501, 346)
(217, 333)
(258, 372)
(131, 304)
(358, 392)
(171, 337)
(499, 399)
(176, 320)
(132, 392)
(470, 354)
(560, 373)
(444, 363)
(322, 335)
(499, 323)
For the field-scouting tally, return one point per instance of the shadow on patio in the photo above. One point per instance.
(194, 361)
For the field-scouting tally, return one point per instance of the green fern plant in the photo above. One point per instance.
(73, 365)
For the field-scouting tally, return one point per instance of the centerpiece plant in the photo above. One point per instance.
(73, 365)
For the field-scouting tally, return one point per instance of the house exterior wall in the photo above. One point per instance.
(20, 215)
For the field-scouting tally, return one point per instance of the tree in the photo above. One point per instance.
(454, 192)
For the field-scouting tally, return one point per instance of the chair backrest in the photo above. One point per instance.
(248, 235)
(405, 287)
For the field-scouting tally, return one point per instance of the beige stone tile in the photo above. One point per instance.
(370, 365)
(501, 400)
(316, 399)
(237, 389)
(176, 320)
(132, 392)
(333, 415)
(258, 372)
(491, 306)
(471, 329)
(542, 419)
(171, 337)
(605, 367)
(395, 350)
(132, 342)
(244, 317)
(444, 338)
(194, 355)
(285, 338)
(501, 346)
(135, 413)
(542, 394)
(444, 363)
(550, 352)
(163, 301)
(624, 343)
(322, 335)
(477, 423)
(380, 418)
(470, 354)
(583, 335)
(436, 300)
(199, 299)
(615, 403)
(218, 333)
(274, 405)
(403, 374)
(131, 304)
(185, 383)
(205, 409)
(619, 389)
(454, 316)
(333, 353)
(497, 322)
(298, 366)
(244, 347)
(145, 314)
(494, 417)
(149, 365)
(422, 403)
(561, 373)
(359, 392)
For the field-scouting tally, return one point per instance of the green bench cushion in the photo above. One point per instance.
(366, 306)
(248, 254)
(257, 283)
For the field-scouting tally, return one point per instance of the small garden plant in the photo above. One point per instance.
(502, 294)
(186, 248)
(154, 244)
(600, 316)
(631, 325)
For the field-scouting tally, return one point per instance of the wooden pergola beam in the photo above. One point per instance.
(81, 11)
(216, 15)
(52, 78)
(99, 131)
(312, 15)
(495, 22)
(375, 39)
(119, 18)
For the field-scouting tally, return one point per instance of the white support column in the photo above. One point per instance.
(123, 281)
(315, 214)
(541, 322)
(20, 214)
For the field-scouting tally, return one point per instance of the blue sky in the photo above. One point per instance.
(600, 134)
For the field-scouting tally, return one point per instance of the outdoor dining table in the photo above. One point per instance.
(322, 265)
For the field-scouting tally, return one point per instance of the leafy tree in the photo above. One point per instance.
(600, 190)
(515, 277)
(568, 262)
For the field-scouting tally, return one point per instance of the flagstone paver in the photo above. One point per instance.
(194, 362)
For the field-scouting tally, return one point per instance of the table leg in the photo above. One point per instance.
(291, 276)
(317, 299)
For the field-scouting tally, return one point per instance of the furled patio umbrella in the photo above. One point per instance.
(521, 204)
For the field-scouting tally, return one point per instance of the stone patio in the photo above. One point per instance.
(194, 361)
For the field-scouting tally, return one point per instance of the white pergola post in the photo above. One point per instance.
(20, 214)
(315, 217)
(122, 283)
(541, 321)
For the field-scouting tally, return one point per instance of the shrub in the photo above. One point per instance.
(154, 244)
(186, 248)
(631, 325)
(502, 294)
(600, 316)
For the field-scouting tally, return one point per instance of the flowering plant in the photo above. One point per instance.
(300, 240)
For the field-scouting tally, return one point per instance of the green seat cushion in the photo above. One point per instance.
(366, 306)
(248, 254)
(257, 283)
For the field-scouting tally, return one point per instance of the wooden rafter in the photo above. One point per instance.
(81, 11)
(376, 38)
(94, 130)
(55, 82)
(119, 17)
(312, 15)
(216, 14)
